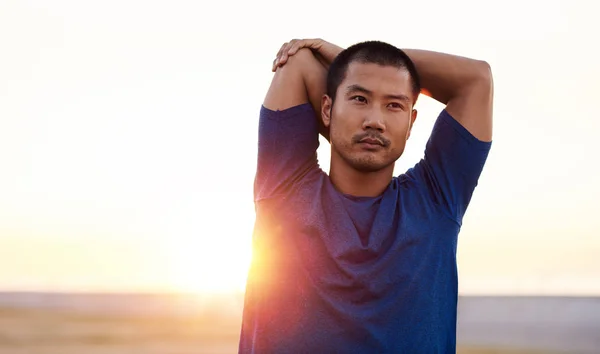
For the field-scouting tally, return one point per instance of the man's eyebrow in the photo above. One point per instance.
(357, 88)
(398, 97)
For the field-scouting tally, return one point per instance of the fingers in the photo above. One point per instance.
(305, 43)
(290, 48)
(293, 48)
(282, 55)
(278, 56)
(286, 50)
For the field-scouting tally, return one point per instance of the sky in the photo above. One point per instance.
(128, 135)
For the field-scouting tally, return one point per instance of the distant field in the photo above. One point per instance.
(31, 331)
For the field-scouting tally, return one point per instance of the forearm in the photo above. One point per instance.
(445, 76)
(315, 79)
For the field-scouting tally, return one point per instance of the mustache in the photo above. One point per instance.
(371, 135)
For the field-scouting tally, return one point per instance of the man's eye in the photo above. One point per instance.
(359, 99)
(395, 105)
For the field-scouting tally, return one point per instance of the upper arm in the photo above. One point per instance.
(472, 105)
(288, 135)
(453, 161)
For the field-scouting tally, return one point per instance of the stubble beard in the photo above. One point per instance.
(362, 162)
(366, 163)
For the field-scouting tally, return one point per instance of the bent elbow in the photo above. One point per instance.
(484, 73)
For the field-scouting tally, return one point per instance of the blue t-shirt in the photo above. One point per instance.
(333, 273)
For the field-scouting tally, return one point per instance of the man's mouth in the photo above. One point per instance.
(371, 141)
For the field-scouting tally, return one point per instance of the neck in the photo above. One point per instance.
(349, 181)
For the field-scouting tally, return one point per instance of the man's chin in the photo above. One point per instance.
(369, 166)
(367, 161)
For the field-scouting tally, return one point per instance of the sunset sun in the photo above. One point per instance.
(215, 267)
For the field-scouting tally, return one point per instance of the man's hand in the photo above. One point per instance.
(464, 85)
(323, 50)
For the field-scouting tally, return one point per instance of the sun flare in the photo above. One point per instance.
(215, 268)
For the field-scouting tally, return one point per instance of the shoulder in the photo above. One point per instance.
(308, 184)
(291, 112)
(448, 124)
(419, 193)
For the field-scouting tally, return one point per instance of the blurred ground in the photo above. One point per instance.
(41, 331)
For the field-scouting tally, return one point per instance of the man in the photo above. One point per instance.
(362, 261)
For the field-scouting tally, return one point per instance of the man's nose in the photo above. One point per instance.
(374, 120)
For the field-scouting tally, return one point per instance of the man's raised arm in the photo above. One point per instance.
(300, 80)
(460, 141)
(288, 131)
(464, 85)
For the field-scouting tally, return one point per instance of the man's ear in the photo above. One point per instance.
(413, 117)
(326, 105)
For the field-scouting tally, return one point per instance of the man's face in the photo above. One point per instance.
(371, 117)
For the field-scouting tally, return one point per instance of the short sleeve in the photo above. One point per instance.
(452, 165)
(287, 149)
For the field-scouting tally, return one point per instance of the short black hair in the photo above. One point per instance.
(375, 52)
